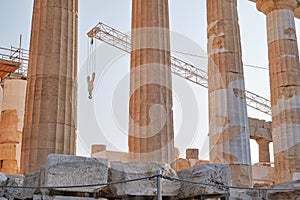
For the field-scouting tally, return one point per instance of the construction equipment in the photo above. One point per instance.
(181, 68)
(13, 61)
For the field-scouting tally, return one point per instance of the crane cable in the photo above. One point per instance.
(91, 62)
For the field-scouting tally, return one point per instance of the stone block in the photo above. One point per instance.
(34, 179)
(12, 193)
(10, 136)
(293, 191)
(192, 154)
(9, 167)
(3, 178)
(200, 162)
(262, 176)
(46, 197)
(241, 175)
(9, 120)
(98, 148)
(7, 151)
(182, 163)
(214, 174)
(124, 171)
(66, 170)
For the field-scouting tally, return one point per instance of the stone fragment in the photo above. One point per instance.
(65, 170)
(214, 174)
(12, 180)
(292, 192)
(122, 171)
(34, 179)
(236, 194)
(3, 178)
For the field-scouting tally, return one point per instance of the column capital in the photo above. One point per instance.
(262, 141)
(267, 6)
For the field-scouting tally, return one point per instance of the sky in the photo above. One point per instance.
(104, 119)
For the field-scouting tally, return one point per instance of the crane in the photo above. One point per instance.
(179, 67)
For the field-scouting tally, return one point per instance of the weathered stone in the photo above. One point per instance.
(263, 176)
(65, 170)
(236, 194)
(9, 120)
(240, 174)
(123, 171)
(292, 191)
(3, 178)
(181, 163)
(8, 151)
(12, 193)
(214, 174)
(46, 197)
(9, 167)
(192, 154)
(10, 136)
(34, 179)
(98, 148)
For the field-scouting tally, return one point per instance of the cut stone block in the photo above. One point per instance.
(122, 171)
(65, 170)
(240, 174)
(215, 174)
(10, 136)
(9, 167)
(182, 163)
(192, 154)
(8, 151)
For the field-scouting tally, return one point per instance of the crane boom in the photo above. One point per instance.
(179, 67)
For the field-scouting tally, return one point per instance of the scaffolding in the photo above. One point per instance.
(13, 62)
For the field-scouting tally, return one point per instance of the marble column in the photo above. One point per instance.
(51, 99)
(284, 71)
(264, 152)
(151, 136)
(228, 121)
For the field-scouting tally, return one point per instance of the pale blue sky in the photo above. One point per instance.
(187, 18)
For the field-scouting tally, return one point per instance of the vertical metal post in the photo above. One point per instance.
(159, 188)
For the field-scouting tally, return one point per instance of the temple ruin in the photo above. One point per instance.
(42, 122)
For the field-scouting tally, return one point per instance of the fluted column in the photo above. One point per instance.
(284, 70)
(228, 122)
(264, 152)
(51, 99)
(150, 109)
